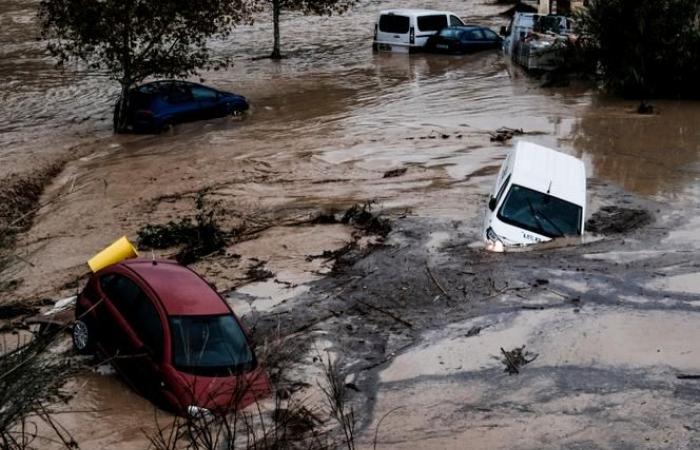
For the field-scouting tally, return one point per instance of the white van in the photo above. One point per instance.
(520, 25)
(408, 30)
(540, 194)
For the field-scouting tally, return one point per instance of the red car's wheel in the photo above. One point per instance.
(83, 339)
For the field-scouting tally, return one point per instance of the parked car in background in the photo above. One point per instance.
(537, 42)
(408, 30)
(155, 106)
(464, 39)
(170, 335)
(539, 195)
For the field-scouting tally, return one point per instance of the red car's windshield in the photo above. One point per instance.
(209, 345)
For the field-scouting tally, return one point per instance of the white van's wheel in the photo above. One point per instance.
(82, 337)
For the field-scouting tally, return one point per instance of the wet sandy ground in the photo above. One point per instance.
(610, 338)
(321, 139)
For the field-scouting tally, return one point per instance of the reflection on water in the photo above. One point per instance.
(645, 154)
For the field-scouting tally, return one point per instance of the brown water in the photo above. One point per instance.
(332, 93)
(326, 123)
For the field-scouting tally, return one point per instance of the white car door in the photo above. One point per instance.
(393, 29)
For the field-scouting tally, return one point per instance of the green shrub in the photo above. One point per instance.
(645, 48)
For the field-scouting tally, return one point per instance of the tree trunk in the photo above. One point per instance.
(120, 110)
(122, 107)
(276, 9)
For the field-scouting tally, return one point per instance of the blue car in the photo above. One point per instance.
(466, 39)
(155, 106)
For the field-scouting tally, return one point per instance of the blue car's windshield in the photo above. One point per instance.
(540, 213)
(209, 345)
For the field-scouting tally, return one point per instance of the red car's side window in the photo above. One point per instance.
(136, 308)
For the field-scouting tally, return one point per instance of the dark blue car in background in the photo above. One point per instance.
(466, 39)
(155, 106)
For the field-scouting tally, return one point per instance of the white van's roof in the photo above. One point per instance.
(546, 170)
(412, 12)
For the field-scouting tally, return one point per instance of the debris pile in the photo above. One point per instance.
(197, 238)
(504, 134)
(645, 108)
(360, 216)
(395, 172)
(258, 272)
(435, 134)
(16, 309)
(516, 358)
(614, 220)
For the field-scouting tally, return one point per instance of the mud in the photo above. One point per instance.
(599, 340)
(613, 219)
(612, 327)
(18, 199)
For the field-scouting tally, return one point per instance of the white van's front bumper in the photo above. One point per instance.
(500, 236)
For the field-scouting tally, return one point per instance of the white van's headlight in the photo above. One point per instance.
(492, 236)
(493, 242)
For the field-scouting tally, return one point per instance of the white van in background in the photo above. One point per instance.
(540, 50)
(520, 25)
(540, 194)
(408, 30)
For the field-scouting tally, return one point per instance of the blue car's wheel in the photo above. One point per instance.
(230, 109)
(165, 126)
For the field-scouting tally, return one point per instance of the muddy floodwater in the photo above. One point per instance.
(613, 322)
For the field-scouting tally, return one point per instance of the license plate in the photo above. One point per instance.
(385, 47)
(442, 46)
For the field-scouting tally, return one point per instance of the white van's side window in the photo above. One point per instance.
(394, 24)
(432, 23)
(456, 21)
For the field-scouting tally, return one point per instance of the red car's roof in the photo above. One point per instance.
(181, 291)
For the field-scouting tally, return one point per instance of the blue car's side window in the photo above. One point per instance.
(476, 35)
(202, 93)
(491, 35)
(179, 94)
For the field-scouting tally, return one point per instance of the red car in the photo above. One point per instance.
(170, 335)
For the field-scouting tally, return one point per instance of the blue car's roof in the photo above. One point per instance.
(465, 27)
(153, 87)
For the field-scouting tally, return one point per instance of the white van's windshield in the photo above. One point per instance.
(540, 213)
(390, 23)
